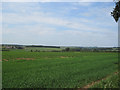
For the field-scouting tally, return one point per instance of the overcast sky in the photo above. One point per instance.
(60, 23)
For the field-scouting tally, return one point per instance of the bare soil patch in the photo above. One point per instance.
(65, 56)
(4, 60)
(24, 58)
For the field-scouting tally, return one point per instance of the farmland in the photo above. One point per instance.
(25, 69)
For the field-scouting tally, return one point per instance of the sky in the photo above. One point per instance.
(58, 0)
(59, 23)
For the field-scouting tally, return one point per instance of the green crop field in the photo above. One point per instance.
(24, 69)
(110, 82)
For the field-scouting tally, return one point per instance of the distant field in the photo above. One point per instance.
(22, 69)
(42, 49)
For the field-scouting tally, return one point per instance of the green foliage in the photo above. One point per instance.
(116, 11)
(55, 69)
(67, 49)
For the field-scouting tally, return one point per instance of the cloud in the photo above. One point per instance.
(50, 36)
(10, 18)
(57, 0)
(35, 24)
(83, 3)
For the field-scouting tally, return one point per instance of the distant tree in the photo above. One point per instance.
(20, 48)
(95, 50)
(116, 12)
(67, 49)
